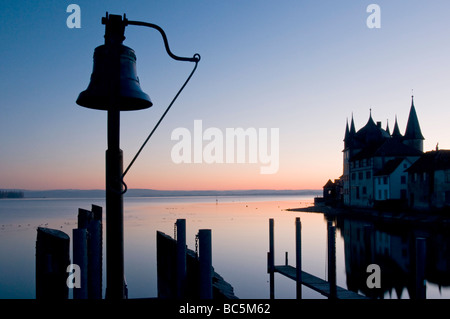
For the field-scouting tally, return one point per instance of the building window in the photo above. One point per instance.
(403, 179)
(424, 176)
(415, 177)
(364, 190)
(353, 176)
(385, 180)
(379, 194)
(360, 175)
(368, 175)
(385, 194)
(364, 163)
(357, 192)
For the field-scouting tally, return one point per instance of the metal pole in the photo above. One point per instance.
(332, 259)
(298, 256)
(271, 260)
(95, 254)
(115, 287)
(205, 257)
(181, 258)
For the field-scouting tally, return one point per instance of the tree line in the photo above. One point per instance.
(11, 194)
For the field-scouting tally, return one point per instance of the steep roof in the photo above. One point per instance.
(389, 167)
(431, 161)
(328, 184)
(413, 128)
(394, 147)
(390, 148)
(371, 133)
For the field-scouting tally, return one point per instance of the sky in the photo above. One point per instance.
(299, 67)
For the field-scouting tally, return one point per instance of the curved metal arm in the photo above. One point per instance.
(195, 58)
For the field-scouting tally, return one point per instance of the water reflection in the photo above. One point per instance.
(392, 246)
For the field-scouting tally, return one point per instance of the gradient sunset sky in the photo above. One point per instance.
(301, 66)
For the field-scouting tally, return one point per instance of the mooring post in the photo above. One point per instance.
(52, 260)
(420, 268)
(205, 257)
(95, 254)
(80, 258)
(332, 259)
(181, 257)
(298, 256)
(271, 259)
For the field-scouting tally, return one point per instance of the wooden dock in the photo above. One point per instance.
(316, 283)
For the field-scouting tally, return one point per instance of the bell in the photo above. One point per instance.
(114, 83)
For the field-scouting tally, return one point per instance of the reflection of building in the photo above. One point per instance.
(375, 160)
(429, 180)
(393, 249)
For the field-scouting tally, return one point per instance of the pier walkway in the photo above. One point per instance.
(317, 283)
(326, 288)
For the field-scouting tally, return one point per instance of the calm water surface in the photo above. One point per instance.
(239, 242)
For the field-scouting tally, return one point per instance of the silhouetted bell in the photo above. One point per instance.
(114, 82)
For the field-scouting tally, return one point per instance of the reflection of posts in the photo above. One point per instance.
(420, 268)
(205, 258)
(332, 259)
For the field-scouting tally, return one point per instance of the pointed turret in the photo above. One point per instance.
(387, 128)
(413, 134)
(347, 135)
(352, 127)
(396, 132)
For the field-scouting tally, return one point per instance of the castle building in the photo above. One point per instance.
(375, 161)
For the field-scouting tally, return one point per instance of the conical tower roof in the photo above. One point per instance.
(347, 132)
(413, 128)
(396, 131)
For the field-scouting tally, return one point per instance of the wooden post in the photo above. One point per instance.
(84, 218)
(52, 260)
(271, 259)
(332, 259)
(181, 258)
(95, 254)
(205, 258)
(298, 256)
(80, 258)
(420, 268)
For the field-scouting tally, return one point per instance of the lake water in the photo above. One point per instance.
(240, 241)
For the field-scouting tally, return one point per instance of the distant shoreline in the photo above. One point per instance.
(96, 193)
(441, 218)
